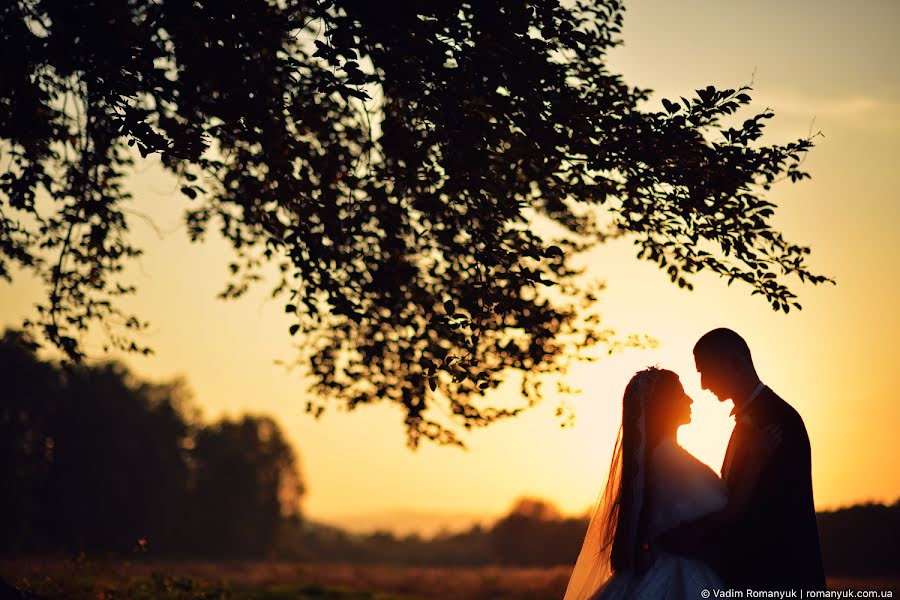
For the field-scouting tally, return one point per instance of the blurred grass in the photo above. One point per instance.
(164, 587)
(274, 580)
(263, 580)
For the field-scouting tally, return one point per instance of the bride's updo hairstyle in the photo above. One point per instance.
(645, 390)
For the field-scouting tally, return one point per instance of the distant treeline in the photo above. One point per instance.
(857, 541)
(93, 460)
(533, 533)
(861, 540)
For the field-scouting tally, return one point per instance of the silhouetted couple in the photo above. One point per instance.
(666, 526)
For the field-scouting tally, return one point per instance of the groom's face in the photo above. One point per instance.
(715, 376)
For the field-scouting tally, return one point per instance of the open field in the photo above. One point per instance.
(246, 580)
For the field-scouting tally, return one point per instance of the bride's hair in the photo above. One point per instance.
(617, 530)
(627, 522)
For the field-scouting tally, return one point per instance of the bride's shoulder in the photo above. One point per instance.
(670, 458)
(683, 487)
(680, 478)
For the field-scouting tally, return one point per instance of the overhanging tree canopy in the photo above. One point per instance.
(393, 161)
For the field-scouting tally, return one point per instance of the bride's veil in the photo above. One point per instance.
(613, 540)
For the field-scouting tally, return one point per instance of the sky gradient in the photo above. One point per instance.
(821, 66)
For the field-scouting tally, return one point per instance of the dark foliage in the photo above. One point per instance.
(861, 540)
(257, 489)
(420, 175)
(512, 536)
(93, 460)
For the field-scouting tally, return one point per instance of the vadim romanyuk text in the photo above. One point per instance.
(780, 594)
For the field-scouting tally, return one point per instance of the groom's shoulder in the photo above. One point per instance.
(781, 412)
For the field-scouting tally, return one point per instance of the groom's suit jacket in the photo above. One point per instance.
(775, 544)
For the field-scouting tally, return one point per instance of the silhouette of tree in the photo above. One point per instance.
(118, 469)
(535, 508)
(245, 476)
(420, 175)
(534, 533)
(30, 389)
(94, 460)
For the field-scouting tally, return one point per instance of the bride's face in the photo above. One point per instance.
(683, 404)
(673, 407)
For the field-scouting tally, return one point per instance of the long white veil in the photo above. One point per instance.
(614, 540)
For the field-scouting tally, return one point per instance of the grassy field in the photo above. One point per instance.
(111, 580)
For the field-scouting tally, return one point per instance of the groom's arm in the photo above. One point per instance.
(768, 451)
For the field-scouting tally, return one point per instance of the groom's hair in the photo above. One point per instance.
(723, 342)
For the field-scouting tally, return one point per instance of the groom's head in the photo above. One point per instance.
(724, 363)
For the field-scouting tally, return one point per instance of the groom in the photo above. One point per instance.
(766, 538)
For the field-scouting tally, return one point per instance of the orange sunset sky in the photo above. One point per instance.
(823, 65)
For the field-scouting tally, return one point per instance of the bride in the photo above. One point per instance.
(653, 486)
